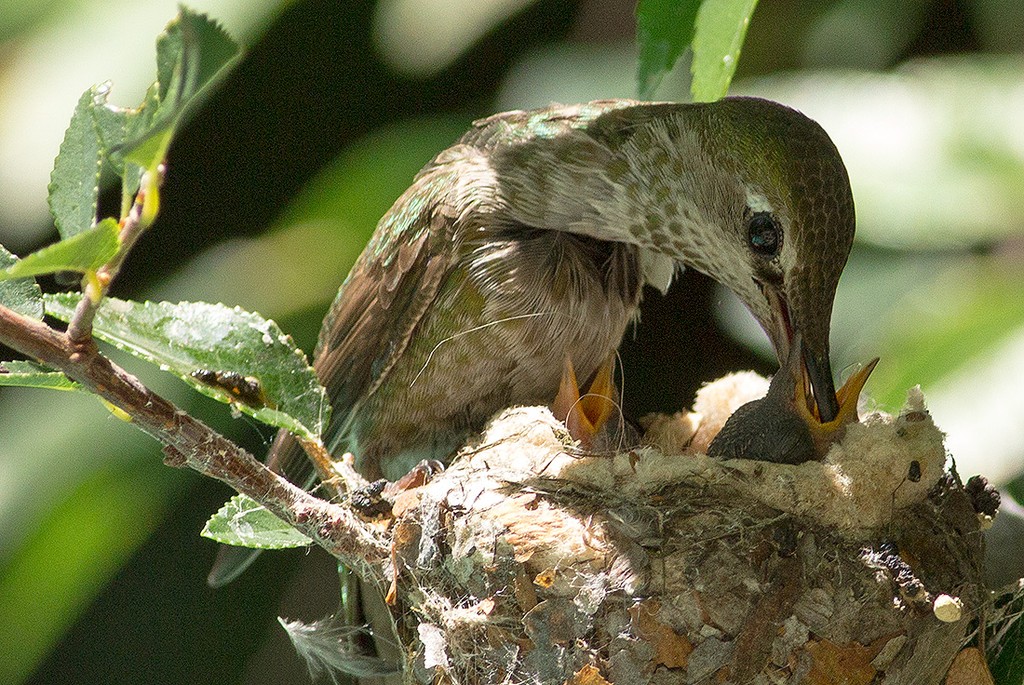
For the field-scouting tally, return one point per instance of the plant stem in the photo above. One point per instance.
(139, 217)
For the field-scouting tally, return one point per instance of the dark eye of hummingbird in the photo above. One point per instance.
(764, 234)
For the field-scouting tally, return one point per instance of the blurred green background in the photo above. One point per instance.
(276, 184)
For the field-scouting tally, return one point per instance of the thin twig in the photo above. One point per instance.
(189, 442)
(139, 217)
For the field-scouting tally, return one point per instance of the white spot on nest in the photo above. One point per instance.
(434, 647)
(948, 609)
(843, 483)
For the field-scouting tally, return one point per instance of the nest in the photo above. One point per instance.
(528, 561)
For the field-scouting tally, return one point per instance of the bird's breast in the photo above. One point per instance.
(559, 294)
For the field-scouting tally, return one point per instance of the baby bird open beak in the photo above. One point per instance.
(824, 433)
(785, 425)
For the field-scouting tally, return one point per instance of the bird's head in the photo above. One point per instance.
(760, 200)
(796, 228)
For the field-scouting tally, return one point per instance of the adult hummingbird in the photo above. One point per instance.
(528, 243)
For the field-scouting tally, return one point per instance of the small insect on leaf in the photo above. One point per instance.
(244, 389)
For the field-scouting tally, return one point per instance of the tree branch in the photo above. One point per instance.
(189, 442)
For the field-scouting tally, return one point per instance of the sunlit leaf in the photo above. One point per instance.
(192, 53)
(81, 252)
(74, 182)
(111, 124)
(664, 29)
(21, 294)
(32, 375)
(193, 48)
(243, 522)
(227, 353)
(148, 135)
(718, 36)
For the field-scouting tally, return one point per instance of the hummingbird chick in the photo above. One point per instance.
(782, 426)
(529, 242)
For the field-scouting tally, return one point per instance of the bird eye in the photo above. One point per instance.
(764, 234)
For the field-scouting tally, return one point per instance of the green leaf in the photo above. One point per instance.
(74, 182)
(664, 28)
(96, 135)
(148, 133)
(226, 353)
(22, 294)
(111, 124)
(718, 36)
(32, 375)
(243, 522)
(81, 252)
(115, 126)
(192, 54)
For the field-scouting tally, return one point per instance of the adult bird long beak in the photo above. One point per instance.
(818, 369)
(815, 363)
